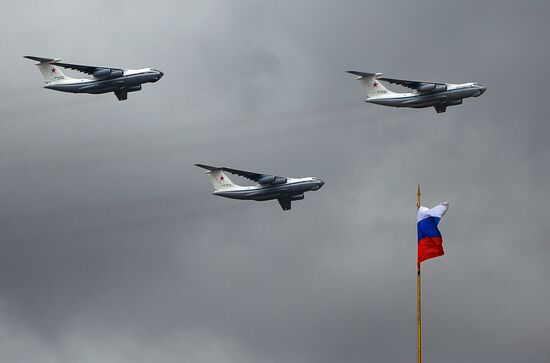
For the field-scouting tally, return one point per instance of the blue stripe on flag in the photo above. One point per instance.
(428, 228)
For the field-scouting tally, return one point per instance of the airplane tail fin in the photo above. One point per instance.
(219, 180)
(371, 83)
(49, 70)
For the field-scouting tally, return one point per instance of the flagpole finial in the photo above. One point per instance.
(418, 194)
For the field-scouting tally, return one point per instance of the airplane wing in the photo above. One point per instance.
(86, 69)
(419, 86)
(263, 179)
(256, 177)
(77, 67)
(246, 174)
(415, 85)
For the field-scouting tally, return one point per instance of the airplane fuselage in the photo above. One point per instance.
(131, 80)
(453, 95)
(294, 188)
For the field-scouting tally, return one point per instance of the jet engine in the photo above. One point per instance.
(440, 88)
(278, 180)
(432, 87)
(108, 73)
(296, 197)
(426, 87)
(133, 89)
(268, 179)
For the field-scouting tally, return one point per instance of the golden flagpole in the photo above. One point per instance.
(418, 296)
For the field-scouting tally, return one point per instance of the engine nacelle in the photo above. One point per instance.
(102, 73)
(268, 179)
(133, 89)
(108, 73)
(432, 87)
(278, 180)
(297, 197)
(426, 87)
(117, 73)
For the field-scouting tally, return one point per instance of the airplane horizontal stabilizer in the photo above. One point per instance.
(49, 69)
(42, 60)
(371, 84)
(364, 74)
(219, 180)
(207, 167)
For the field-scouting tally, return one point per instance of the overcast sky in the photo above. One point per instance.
(114, 250)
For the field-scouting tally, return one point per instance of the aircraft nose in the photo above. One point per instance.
(478, 91)
(318, 184)
(160, 74)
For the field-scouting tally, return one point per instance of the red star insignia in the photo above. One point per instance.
(53, 70)
(222, 178)
(375, 84)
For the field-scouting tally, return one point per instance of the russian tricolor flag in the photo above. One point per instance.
(430, 242)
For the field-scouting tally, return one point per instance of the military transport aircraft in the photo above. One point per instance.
(268, 187)
(104, 79)
(426, 94)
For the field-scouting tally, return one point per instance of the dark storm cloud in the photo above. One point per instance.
(113, 248)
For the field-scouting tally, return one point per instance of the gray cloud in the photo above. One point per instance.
(113, 248)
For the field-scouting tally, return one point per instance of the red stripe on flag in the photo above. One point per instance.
(430, 247)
